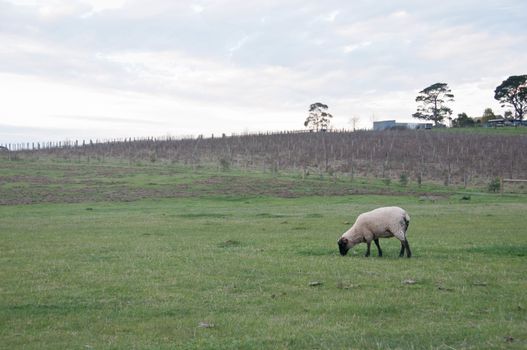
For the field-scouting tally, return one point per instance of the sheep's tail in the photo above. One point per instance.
(406, 222)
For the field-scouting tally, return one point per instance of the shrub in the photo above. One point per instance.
(494, 185)
(224, 164)
(403, 180)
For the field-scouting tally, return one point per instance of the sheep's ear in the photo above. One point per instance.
(344, 240)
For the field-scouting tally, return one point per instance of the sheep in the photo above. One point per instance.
(382, 222)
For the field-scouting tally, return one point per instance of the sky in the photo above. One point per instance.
(108, 69)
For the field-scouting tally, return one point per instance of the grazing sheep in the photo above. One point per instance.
(383, 222)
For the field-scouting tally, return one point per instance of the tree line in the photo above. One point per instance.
(433, 106)
(433, 103)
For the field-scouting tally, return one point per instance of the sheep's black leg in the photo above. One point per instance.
(378, 246)
(401, 254)
(368, 251)
(408, 252)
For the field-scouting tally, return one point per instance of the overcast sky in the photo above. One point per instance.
(81, 69)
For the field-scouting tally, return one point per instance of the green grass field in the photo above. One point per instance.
(224, 270)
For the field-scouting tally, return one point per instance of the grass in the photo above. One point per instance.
(50, 181)
(237, 272)
(506, 130)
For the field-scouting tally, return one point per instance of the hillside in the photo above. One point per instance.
(461, 158)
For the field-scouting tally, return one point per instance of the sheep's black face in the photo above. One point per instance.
(343, 246)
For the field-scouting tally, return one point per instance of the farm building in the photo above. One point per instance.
(499, 122)
(492, 123)
(392, 124)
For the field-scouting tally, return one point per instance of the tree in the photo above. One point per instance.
(513, 92)
(463, 121)
(488, 114)
(318, 118)
(432, 103)
(353, 121)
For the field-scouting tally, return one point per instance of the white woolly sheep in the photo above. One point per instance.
(383, 222)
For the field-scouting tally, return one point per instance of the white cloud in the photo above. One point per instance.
(399, 14)
(455, 42)
(52, 10)
(239, 44)
(231, 64)
(105, 112)
(55, 10)
(197, 8)
(330, 17)
(354, 47)
(101, 5)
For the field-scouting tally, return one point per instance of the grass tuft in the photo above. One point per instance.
(499, 250)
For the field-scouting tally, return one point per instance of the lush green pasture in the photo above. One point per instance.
(147, 274)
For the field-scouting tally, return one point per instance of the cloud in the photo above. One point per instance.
(354, 47)
(197, 8)
(53, 10)
(330, 17)
(238, 64)
(239, 44)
